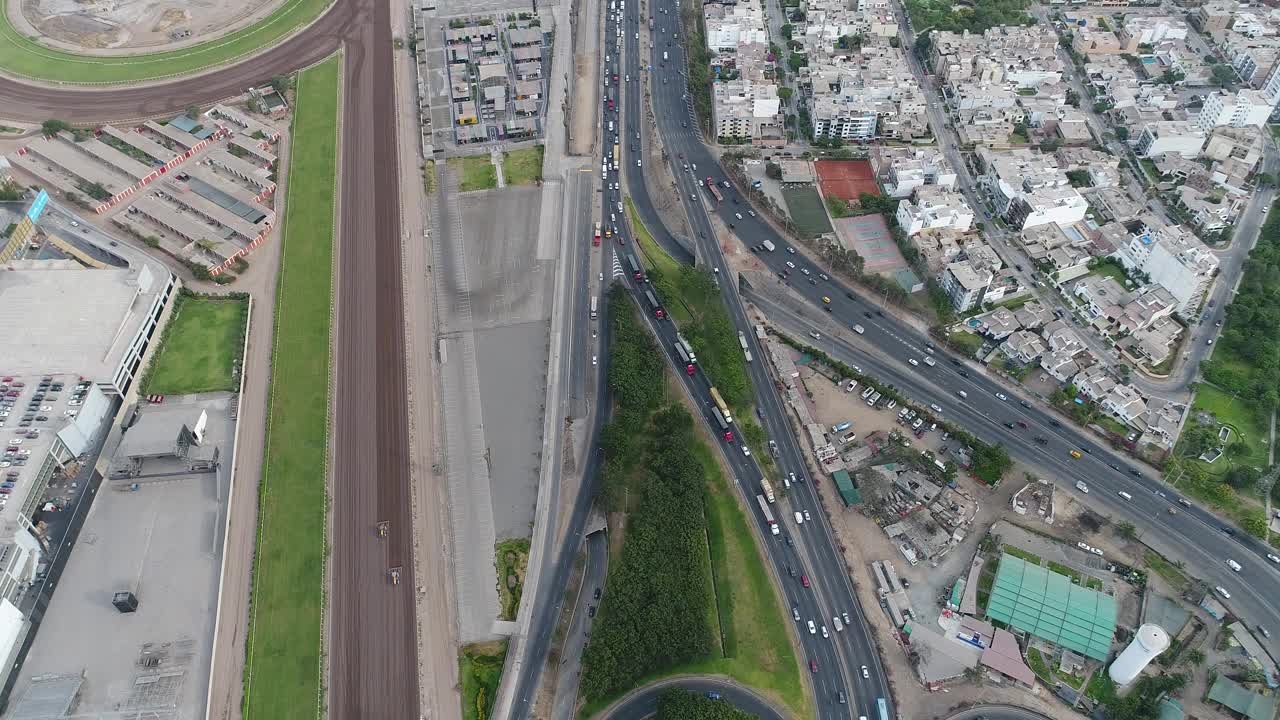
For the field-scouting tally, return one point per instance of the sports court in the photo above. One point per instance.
(846, 179)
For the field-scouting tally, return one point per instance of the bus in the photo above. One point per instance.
(719, 401)
(594, 313)
(596, 240)
(615, 156)
(884, 711)
(636, 272)
(655, 305)
(724, 424)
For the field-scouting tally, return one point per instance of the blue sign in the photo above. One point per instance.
(37, 207)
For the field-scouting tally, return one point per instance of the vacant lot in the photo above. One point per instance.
(282, 678)
(202, 344)
(21, 55)
(523, 167)
(805, 206)
(477, 172)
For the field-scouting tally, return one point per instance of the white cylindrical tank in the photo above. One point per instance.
(1150, 641)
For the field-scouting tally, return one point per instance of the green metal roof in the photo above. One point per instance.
(957, 592)
(1242, 699)
(1048, 605)
(848, 493)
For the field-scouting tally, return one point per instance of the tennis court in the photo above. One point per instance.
(846, 179)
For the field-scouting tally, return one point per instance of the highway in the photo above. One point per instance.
(812, 550)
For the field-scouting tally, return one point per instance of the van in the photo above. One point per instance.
(839, 625)
(867, 393)
(1125, 495)
(962, 394)
(929, 361)
(1233, 565)
(859, 329)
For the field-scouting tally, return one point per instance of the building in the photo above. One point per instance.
(1029, 189)
(1152, 29)
(934, 208)
(1241, 700)
(1245, 108)
(1047, 605)
(746, 110)
(964, 285)
(1173, 258)
(902, 170)
(1180, 137)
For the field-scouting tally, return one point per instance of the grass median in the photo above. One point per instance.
(22, 55)
(282, 667)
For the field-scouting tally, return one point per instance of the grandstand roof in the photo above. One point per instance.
(1048, 605)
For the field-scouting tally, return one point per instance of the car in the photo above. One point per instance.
(806, 514)
(1222, 591)
(843, 698)
(813, 629)
(1010, 425)
(738, 215)
(846, 617)
(813, 666)
(1041, 440)
(591, 611)
(791, 265)
(913, 361)
(935, 408)
(815, 335)
(791, 250)
(597, 594)
(1001, 396)
(804, 270)
(1134, 472)
(795, 613)
(865, 674)
(593, 359)
(793, 477)
(1185, 502)
(804, 580)
(1055, 423)
(825, 634)
(799, 518)
(746, 451)
(1273, 558)
(1075, 454)
(752, 213)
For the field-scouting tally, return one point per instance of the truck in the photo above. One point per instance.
(719, 401)
(725, 430)
(684, 355)
(768, 514)
(687, 348)
(768, 489)
(840, 427)
(654, 305)
(596, 240)
(742, 339)
(715, 191)
(859, 329)
(636, 272)
(768, 245)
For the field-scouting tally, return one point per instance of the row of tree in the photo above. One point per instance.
(657, 604)
(677, 704)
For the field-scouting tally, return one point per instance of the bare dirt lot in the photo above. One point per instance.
(134, 24)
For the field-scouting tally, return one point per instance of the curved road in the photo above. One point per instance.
(30, 102)
(643, 703)
(997, 712)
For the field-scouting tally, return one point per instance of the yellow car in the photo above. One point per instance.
(826, 299)
(1075, 453)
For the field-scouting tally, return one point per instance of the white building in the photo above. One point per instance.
(744, 109)
(964, 285)
(1147, 644)
(1246, 108)
(1030, 190)
(1152, 29)
(902, 170)
(1179, 137)
(934, 208)
(1173, 258)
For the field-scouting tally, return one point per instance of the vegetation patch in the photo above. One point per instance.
(480, 668)
(677, 704)
(25, 56)
(510, 559)
(975, 17)
(477, 172)
(202, 346)
(1020, 553)
(282, 669)
(524, 166)
(804, 205)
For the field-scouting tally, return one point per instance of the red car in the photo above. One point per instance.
(688, 369)
(813, 666)
(804, 580)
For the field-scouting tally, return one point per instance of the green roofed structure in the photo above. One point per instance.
(1049, 606)
(848, 493)
(1242, 700)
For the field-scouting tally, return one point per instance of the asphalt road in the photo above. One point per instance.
(29, 102)
(580, 623)
(812, 552)
(372, 654)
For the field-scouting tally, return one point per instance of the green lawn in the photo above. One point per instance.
(282, 668)
(480, 668)
(477, 171)
(510, 558)
(970, 343)
(1111, 269)
(1020, 553)
(1166, 570)
(1037, 664)
(1244, 425)
(523, 167)
(21, 55)
(203, 342)
(804, 204)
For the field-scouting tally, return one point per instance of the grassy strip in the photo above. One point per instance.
(1036, 662)
(201, 346)
(282, 669)
(1167, 570)
(523, 167)
(24, 56)
(477, 171)
(1020, 553)
(510, 558)
(480, 667)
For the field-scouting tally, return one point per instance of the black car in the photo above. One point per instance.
(1042, 440)
(597, 593)
(851, 296)
(1009, 425)
(1087, 450)
(956, 362)
(880, 313)
(1055, 423)
(591, 611)
(964, 373)
(867, 314)
(1228, 531)
(1134, 472)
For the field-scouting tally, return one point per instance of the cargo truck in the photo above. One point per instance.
(768, 489)
(723, 423)
(840, 427)
(687, 348)
(768, 514)
(768, 245)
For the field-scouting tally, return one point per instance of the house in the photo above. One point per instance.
(1061, 366)
(1023, 346)
(1126, 404)
(1094, 382)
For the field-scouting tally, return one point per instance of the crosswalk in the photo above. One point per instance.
(617, 271)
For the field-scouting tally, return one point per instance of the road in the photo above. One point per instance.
(644, 702)
(808, 549)
(580, 621)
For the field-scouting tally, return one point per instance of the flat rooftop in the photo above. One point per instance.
(163, 542)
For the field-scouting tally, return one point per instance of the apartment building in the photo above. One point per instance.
(1173, 258)
(901, 170)
(1180, 137)
(746, 109)
(934, 208)
(1214, 18)
(729, 26)
(1029, 189)
(1245, 108)
(1025, 56)
(1151, 29)
(964, 285)
(1236, 145)
(864, 94)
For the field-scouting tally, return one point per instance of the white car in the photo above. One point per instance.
(593, 359)
(865, 675)
(746, 451)
(791, 265)
(1273, 557)
(825, 634)
(1082, 487)
(813, 629)
(804, 270)
(1001, 396)
(815, 335)
(1222, 591)
(913, 361)
(795, 613)
(637, 162)
(799, 519)
(806, 514)
(738, 215)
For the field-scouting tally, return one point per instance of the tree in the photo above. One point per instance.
(53, 127)
(1222, 75)
(1264, 179)
(280, 83)
(1079, 178)
(193, 112)
(1126, 530)
(785, 92)
(787, 31)
(773, 170)
(11, 190)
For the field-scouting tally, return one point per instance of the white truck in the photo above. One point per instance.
(768, 514)
(768, 245)
(687, 347)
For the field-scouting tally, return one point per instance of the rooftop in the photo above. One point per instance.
(1048, 605)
